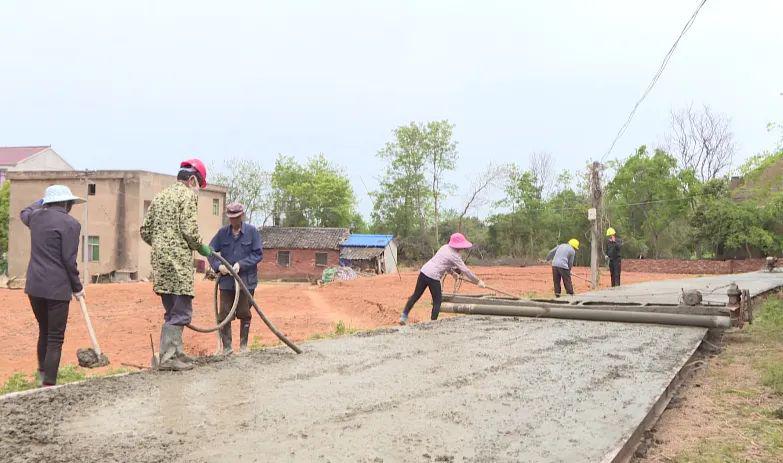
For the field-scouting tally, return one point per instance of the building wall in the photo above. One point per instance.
(114, 214)
(692, 267)
(302, 264)
(47, 159)
(390, 257)
(208, 222)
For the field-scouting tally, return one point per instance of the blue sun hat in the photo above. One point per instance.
(59, 194)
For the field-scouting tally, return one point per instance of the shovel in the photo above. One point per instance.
(90, 357)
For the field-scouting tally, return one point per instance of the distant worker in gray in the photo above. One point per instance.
(562, 258)
(613, 247)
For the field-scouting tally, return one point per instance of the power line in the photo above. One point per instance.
(655, 78)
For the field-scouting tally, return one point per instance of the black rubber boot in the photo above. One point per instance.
(244, 333)
(225, 339)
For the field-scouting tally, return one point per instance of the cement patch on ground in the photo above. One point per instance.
(462, 389)
(713, 289)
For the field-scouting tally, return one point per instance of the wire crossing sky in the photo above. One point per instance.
(145, 84)
(655, 78)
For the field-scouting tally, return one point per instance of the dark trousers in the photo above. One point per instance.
(243, 311)
(179, 309)
(614, 270)
(423, 283)
(52, 318)
(565, 275)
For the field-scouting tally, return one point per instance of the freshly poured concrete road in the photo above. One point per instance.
(713, 289)
(461, 389)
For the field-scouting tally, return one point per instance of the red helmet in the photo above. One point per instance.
(200, 168)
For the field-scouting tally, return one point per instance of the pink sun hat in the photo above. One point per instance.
(458, 241)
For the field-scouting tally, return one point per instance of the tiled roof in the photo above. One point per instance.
(359, 240)
(302, 238)
(360, 253)
(12, 155)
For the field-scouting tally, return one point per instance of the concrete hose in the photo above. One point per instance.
(250, 298)
(230, 315)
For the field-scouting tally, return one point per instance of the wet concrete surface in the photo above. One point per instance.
(461, 389)
(713, 289)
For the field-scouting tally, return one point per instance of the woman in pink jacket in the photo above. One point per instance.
(446, 260)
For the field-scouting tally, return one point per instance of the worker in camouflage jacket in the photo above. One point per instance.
(171, 228)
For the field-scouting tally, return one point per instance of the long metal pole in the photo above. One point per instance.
(594, 233)
(708, 321)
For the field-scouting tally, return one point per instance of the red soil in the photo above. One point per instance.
(124, 315)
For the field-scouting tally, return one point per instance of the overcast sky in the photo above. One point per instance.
(144, 84)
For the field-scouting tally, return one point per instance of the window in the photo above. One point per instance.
(147, 205)
(215, 206)
(91, 189)
(284, 258)
(93, 249)
(320, 259)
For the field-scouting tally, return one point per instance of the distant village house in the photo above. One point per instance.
(111, 247)
(30, 158)
(299, 253)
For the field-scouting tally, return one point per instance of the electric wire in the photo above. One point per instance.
(655, 78)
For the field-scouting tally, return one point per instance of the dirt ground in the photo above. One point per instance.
(125, 315)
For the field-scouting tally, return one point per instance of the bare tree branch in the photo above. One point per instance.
(484, 182)
(701, 140)
(542, 167)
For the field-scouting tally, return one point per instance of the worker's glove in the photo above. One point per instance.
(79, 295)
(223, 270)
(481, 284)
(236, 267)
(205, 250)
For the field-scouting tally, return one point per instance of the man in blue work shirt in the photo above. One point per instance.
(240, 244)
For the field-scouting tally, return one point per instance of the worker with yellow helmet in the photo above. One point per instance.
(562, 258)
(613, 247)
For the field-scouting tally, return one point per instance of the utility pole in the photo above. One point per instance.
(595, 196)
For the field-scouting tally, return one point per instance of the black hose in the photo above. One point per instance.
(228, 318)
(266, 320)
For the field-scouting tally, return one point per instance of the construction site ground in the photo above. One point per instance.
(461, 389)
(124, 315)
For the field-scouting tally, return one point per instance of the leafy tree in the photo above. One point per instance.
(247, 183)
(316, 194)
(413, 186)
(723, 226)
(646, 196)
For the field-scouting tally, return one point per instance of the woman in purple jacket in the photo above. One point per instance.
(446, 260)
(52, 275)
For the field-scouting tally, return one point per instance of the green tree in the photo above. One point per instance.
(316, 194)
(647, 200)
(413, 185)
(723, 226)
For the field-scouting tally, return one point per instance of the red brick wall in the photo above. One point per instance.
(302, 264)
(697, 267)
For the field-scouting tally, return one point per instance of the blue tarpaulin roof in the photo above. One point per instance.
(367, 241)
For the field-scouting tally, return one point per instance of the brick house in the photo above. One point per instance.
(299, 253)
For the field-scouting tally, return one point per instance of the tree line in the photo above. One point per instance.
(673, 201)
(677, 200)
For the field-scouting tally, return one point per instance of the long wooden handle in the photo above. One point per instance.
(501, 292)
(90, 329)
